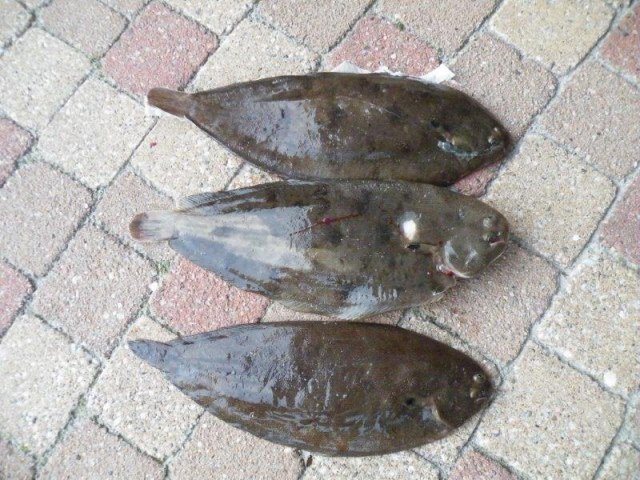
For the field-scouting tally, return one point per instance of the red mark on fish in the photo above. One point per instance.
(327, 221)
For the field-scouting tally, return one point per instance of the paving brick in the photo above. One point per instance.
(249, 176)
(89, 452)
(622, 229)
(127, 196)
(14, 287)
(219, 16)
(316, 24)
(279, 313)
(250, 52)
(495, 311)
(622, 47)
(13, 21)
(560, 200)
(397, 466)
(623, 463)
(570, 29)
(135, 400)
(476, 183)
(193, 300)
(33, 4)
(94, 133)
(88, 25)
(594, 123)
(180, 159)
(126, 7)
(445, 24)
(546, 410)
(37, 74)
(218, 450)
(14, 142)
(513, 88)
(475, 466)
(15, 464)
(40, 209)
(42, 378)
(94, 289)
(375, 42)
(633, 421)
(595, 322)
(160, 49)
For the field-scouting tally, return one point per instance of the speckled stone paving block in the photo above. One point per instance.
(37, 74)
(560, 200)
(594, 115)
(180, 159)
(446, 24)
(279, 313)
(40, 209)
(219, 16)
(559, 33)
(495, 311)
(376, 42)
(134, 399)
(94, 133)
(126, 7)
(633, 421)
(88, 452)
(14, 142)
(88, 25)
(623, 463)
(13, 21)
(193, 300)
(595, 322)
(475, 466)
(94, 289)
(622, 47)
(250, 52)
(316, 24)
(249, 176)
(127, 196)
(14, 287)
(397, 466)
(218, 450)
(546, 410)
(513, 88)
(42, 378)
(15, 464)
(160, 49)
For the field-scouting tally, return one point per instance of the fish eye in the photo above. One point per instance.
(435, 124)
(479, 378)
(410, 401)
(413, 247)
(488, 221)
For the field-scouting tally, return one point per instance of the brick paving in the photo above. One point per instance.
(555, 321)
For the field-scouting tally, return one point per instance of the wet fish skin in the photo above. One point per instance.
(347, 126)
(349, 249)
(338, 388)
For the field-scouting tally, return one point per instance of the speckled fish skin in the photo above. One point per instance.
(338, 388)
(347, 126)
(349, 249)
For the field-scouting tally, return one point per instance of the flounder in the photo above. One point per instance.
(346, 126)
(339, 388)
(349, 249)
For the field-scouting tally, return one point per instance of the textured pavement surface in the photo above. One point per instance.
(556, 320)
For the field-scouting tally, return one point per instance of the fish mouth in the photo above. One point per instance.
(446, 268)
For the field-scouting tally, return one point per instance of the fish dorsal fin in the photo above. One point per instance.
(200, 199)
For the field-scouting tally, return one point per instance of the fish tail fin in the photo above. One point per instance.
(154, 226)
(171, 101)
(150, 351)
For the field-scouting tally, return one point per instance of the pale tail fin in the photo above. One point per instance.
(154, 226)
(175, 103)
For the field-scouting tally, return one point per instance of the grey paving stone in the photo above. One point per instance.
(249, 176)
(94, 133)
(14, 463)
(135, 400)
(13, 21)
(219, 16)
(475, 466)
(41, 378)
(37, 74)
(127, 7)
(623, 463)
(14, 142)
(40, 209)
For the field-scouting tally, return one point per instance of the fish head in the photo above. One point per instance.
(480, 239)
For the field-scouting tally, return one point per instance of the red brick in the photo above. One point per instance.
(14, 287)
(375, 43)
(193, 300)
(475, 466)
(622, 48)
(14, 141)
(161, 49)
(622, 230)
(476, 183)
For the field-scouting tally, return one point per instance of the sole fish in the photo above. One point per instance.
(338, 388)
(350, 249)
(347, 126)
